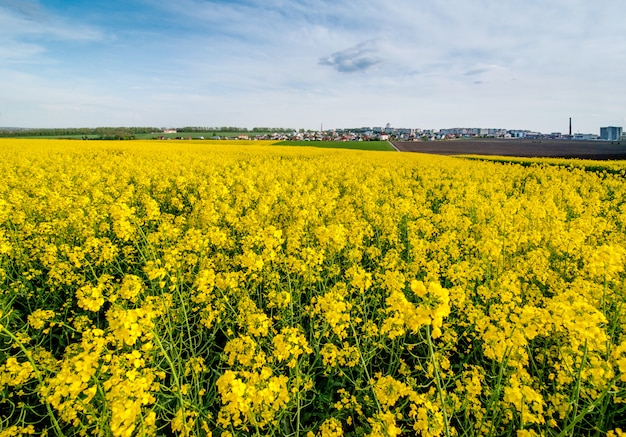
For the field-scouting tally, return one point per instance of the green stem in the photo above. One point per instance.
(576, 393)
(495, 395)
(364, 364)
(55, 423)
(431, 351)
(174, 377)
(298, 398)
(569, 429)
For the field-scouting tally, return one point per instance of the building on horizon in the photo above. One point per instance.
(584, 137)
(611, 133)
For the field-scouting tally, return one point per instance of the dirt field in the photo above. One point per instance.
(601, 150)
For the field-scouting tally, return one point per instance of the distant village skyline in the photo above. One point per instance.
(611, 133)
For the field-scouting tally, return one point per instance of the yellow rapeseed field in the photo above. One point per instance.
(237, 288)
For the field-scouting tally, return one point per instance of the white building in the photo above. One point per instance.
(611, 133)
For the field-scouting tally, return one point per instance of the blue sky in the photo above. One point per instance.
(511, 64)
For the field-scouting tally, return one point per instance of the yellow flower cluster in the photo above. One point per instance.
(433, 307)
(251, 399)
(289, 344)
(334, 307)
(237, 288)
(14, 374)
(38, 318)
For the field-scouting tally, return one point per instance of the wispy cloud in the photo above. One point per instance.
(360, 57)
(475, 72)
(30, 18)
(29, 9)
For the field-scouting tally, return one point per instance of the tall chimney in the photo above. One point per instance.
(570, 127)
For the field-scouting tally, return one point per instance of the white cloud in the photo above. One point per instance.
(28, 18)
(28, 31)
(360, 57)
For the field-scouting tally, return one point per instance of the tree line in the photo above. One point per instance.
(124, 132)
(103, 132)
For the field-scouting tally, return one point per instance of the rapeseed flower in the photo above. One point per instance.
(244, 289)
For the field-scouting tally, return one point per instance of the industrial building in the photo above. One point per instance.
(611, 133)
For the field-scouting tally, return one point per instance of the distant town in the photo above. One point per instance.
(387, 133)
(390, 133)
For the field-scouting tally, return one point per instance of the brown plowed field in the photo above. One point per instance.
(600, 150)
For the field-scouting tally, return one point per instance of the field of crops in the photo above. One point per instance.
(198, 288)
(355, 145)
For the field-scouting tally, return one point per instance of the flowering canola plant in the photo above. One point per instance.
(239, 288)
